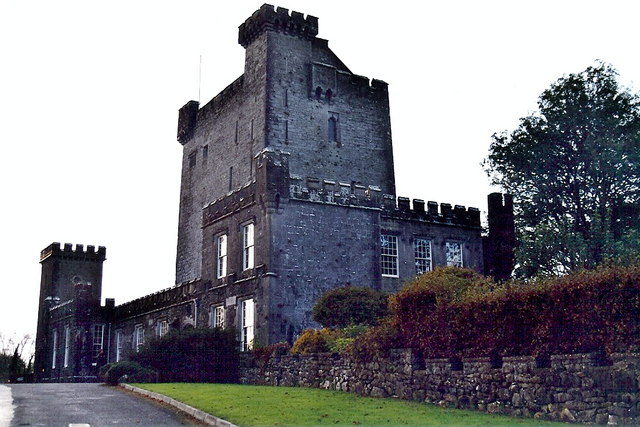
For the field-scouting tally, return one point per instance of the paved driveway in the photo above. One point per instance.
(82, 404)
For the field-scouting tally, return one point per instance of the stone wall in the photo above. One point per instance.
(579, 388)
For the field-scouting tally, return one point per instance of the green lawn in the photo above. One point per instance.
(295, 406)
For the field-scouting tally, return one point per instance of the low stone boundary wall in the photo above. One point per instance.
(582, 388)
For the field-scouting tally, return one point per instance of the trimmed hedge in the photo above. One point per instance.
(131, 371)
(193, 355)
(350, 305)
(590, 311)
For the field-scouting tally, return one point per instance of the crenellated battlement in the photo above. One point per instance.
(443, 213)
(232, 202)
(277, 19)
(358, 195)
(328, 82)
(179, 294)
(70, 252)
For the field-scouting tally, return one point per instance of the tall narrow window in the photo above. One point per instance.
(454, 254)
(422, 253)
(118, 346)
(251, 132)
(286, 97)
(192, 159)
(230, 178)
(318, 92)
(67, 345)
(286, 130)
(163, 328)
(205, 153)
(138, 337)
(221, 246)
(216, 317)
(55, 349)
(389, 255)
(236, 137)
(333, 129)
(247, 319)
(247, 246)
(98, 340)
(329, 94)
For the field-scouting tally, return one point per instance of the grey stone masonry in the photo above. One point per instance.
(574, 388)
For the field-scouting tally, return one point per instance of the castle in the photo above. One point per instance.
(287, 191)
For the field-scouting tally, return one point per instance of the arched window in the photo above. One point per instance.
(318, 92)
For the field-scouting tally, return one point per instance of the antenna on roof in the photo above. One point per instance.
(199, 78)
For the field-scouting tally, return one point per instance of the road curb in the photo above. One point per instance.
(206, 418)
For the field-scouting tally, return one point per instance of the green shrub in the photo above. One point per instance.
(193, 355)
(350, 305)
(131, 371)
(314, 341)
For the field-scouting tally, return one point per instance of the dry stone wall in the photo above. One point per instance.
(575, 388)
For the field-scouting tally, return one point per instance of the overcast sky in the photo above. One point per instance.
(90, 92)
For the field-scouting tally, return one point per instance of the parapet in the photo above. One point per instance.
(179, 294)
(78, 253)
(232, 202)
(442, 213)
(268, 18)
(335, 193)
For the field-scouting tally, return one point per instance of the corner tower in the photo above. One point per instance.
(295, 96)
(68, 274)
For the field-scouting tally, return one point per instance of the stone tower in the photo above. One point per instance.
(70, 292)
(295, 96)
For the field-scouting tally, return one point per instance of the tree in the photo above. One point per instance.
(574, 170)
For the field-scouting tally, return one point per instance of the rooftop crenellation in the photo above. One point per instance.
(277, 19)
(78, 252)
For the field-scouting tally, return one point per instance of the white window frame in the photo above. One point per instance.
(163, 328)
(389, 255)
(247, 322)
(423, 255)
(55, 349)
(248, 246)
(221, 256)
(449, 248)
(217, 316)
(98, 340)
(67, 345)
(138, 337)
(118, 346)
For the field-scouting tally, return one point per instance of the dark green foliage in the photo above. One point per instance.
(574, 170)
(350, 305)
(193, 355)
(589, 311)
(128, 371)
(12, 367)
(265, 353)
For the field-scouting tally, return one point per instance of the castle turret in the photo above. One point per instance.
(499, 244)
(65, 270)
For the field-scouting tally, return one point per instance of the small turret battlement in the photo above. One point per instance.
(277, 19)
(69, 252)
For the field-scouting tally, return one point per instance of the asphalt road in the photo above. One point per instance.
(75, 405)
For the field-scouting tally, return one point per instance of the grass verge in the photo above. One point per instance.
(296, 406)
